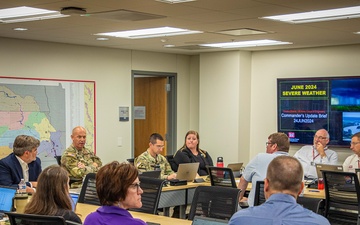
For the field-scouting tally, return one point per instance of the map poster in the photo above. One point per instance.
(48, 110)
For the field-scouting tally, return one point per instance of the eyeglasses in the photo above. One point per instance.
(354, 143)
(268, 143)
(136, 185)
(320, 137)
(159, 146)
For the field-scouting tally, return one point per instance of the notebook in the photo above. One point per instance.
(320, 167)
(235, 167)
(75, 198)
(6, 199)
(187, 171)
(199, 220)
(151, 173)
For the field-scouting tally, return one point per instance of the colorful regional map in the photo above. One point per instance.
(46, 110)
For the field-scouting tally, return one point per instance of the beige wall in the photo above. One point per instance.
(111, 70)
(229, 97)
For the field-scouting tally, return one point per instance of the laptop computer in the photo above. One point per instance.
(151, 173)
(6, 199)
(320, 167)
(187, 171)
(235, 167)
(200, 220)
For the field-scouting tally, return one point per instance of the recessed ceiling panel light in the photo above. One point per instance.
(150, 32)
(20, 29)
(318, 16)
(243, 44)
(175, 1)
(25, 14)
(357, 32)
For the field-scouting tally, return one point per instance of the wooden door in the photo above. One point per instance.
(151, 93)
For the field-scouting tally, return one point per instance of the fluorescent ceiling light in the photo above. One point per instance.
(175, 1)
(357, 32)
(243, 44)
(150, 32)
(25, 14)
(318, 16)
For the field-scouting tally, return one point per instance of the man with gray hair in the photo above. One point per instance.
(282, 185)
(21, 164)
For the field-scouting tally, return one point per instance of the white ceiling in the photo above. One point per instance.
(210, 16)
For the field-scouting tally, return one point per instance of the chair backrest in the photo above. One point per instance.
(32, 219)
(259, 193)
(170, 159)
(131, 161)
(58, 159)
(221, 176)
(314, 204)
(342, 193)
(88, 192)
(151, 194)
(214, 202)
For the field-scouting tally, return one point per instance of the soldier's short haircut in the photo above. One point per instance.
(24, 143)
(154, 137)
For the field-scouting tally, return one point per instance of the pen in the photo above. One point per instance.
(314, 191)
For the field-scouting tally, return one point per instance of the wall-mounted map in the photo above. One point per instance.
(47, 110)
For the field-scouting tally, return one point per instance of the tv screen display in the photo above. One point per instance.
(306, 105)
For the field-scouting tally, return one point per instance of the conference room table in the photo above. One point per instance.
(83, 210)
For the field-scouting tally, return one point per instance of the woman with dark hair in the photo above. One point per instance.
(118, 188)
(190, 152)
(52, 195)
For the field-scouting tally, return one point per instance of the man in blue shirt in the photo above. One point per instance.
(277, 144)
(282, 185)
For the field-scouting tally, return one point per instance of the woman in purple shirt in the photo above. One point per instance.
(118, 188)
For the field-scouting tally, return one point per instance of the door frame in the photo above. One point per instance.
(170, 136)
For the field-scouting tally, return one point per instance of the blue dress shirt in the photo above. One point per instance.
(279, 209)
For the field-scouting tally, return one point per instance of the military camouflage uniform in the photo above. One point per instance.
(146, 162)
(70, 159)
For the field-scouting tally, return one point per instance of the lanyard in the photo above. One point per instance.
(314, 157)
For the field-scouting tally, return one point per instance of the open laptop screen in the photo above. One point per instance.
(6, 199)
(75, 198)
(320, 167)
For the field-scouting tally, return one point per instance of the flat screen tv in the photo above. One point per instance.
(308, 104)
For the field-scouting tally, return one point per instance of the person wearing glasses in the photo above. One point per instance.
(318, 153)
(278, 144)
(282, 186)
(22, 163)
(352, 162)
(118, 188)
(151, 159)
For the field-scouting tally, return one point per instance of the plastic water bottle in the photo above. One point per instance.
(22, 187)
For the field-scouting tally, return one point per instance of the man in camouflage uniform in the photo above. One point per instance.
(79, 160)
(151, 159)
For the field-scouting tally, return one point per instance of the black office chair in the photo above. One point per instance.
(221, 176)
(32, 219)
(151, 194)
(170, 159)
(88, 192)
(131, 161)
(259, 197)
(342, 191)
(58, 159)
(214, 202)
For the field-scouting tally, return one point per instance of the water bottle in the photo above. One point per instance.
(220, 162)
(22, 187)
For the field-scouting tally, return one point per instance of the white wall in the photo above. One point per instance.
(111, 70)
(267, 66)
